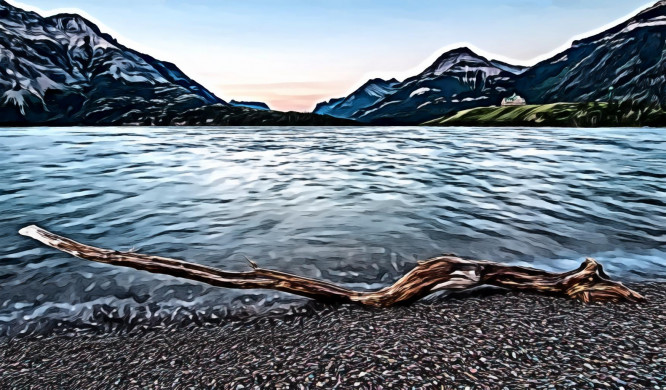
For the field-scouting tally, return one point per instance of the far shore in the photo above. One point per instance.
(587, 115)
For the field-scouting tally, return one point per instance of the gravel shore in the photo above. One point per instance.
(496, 341)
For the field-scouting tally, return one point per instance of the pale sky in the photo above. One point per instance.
(292, 54)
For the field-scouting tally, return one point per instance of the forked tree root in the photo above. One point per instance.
(588, 283)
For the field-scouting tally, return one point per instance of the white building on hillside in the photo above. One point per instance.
(513, 100)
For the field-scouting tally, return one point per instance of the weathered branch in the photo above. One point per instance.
(588, 283)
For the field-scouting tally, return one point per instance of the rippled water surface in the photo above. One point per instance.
(357, 206)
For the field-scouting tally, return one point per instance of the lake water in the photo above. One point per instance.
(357, 206)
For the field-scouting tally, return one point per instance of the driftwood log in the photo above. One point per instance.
(588, 283)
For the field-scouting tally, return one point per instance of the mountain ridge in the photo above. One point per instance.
(63, 70)
(453, 81)
(247, 104)
(629, 57)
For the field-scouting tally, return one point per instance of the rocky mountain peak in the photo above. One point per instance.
(452, 58)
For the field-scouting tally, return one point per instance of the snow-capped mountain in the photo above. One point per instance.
(629, 57)
(368, 94)
(457, 80)
(62, 70)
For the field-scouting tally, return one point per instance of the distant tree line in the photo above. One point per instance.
(627, 112)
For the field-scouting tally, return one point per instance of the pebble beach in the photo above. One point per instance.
(489, 340)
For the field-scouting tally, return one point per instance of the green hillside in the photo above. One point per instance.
(594, 114)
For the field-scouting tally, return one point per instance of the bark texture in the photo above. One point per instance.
(588, 283)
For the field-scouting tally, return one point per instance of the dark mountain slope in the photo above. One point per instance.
(368, 94)
(628, 57)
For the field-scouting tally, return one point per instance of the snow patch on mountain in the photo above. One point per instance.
(419, 91)
(455, 60)
(16, 98)
(660, 21)
(513, 69)
(380, 107)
